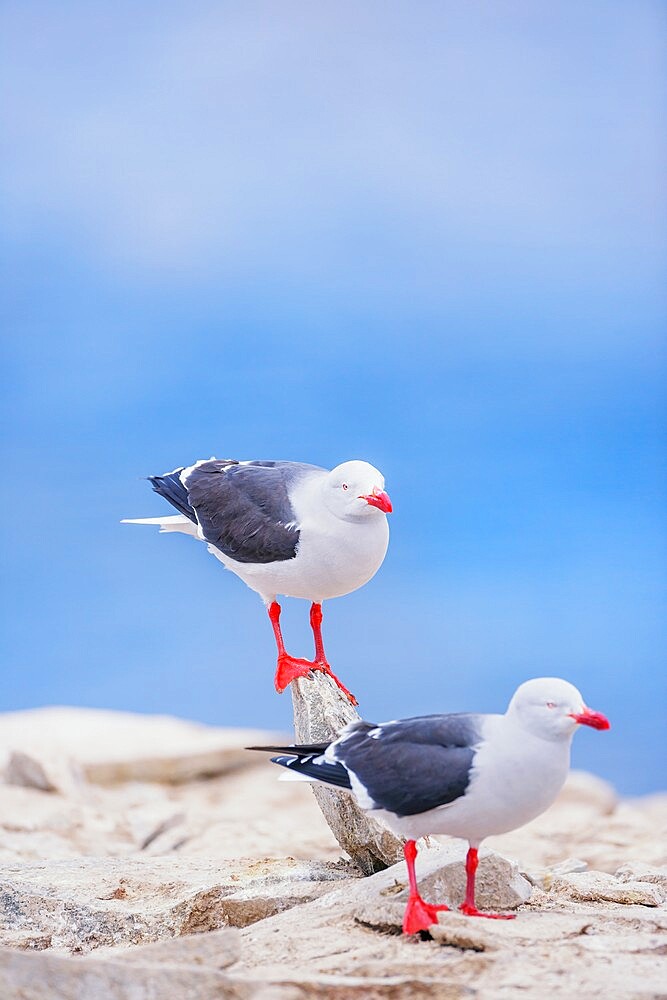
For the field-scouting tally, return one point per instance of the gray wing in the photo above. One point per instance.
(413, 765)
(245, 510)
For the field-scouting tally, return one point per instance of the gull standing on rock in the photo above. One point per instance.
(284, 528)
(469, 776)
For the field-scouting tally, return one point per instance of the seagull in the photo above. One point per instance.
(284, 528)
(468, 776)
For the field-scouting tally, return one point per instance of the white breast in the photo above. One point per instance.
(515, 777)
(334, 556)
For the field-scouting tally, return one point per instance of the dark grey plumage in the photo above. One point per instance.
(406, 767)
(172, 489)
(314, 765)
(412, 765)
(243, 510)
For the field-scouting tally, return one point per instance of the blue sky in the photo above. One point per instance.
(430, 236)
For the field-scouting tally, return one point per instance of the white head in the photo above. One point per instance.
(552, 708)
(356, 489)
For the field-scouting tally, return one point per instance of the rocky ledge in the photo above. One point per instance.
(149, 857)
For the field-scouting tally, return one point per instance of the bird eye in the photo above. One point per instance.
(344, 486)
(551, 704)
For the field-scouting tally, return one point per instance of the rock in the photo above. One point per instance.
(500, 886)
(34, 825)
(168, 971)
(44, 976)
(588, 791)
(153, 863)
(216, 949)
(25, 941)
(543, 877)
(478, 934)
(597, 887)
(546, 951)
(244, 813)
(321, 711)
(221, 950)
(382, 987)
(111, 747)
(569, 865)
(148, 830)
(453, 928)
(83, 905)
(467, 933)
(323, 942)
(441, 876)
(635, 871)
(42, 771)
(21, 769)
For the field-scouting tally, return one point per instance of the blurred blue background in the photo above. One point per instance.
(431, 236)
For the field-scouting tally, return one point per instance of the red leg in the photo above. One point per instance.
(289, 667)
(321, 662)
(468, 907)
(316, 625)
(274, 615)
(419, 915)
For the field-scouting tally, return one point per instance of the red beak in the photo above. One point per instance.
(590, 718)
(379, 499)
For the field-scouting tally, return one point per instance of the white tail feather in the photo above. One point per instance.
(177, 522)
(295, 776)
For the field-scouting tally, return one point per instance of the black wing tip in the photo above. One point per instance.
(170, 487)
(308, 760)
(294, 750)
(270, 749)
(286, 760)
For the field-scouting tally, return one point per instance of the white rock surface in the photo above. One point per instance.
(441, 877)
(554, 950)
(543, 877)
(111, 747)
(82, 905)
(42, 976)
(183, 847)
(600, 887)
(26, 772)
(217, 949)
(635, 871)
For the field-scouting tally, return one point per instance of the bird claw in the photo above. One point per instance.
(290, 668)
(472, 911)
(420, 915)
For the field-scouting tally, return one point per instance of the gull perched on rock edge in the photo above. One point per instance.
(284, 528)
(468, 776)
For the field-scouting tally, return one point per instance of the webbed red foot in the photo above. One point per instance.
(289, 668)
(420, 915)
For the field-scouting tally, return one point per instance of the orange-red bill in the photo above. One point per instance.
(379, 499)
(590, 718)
